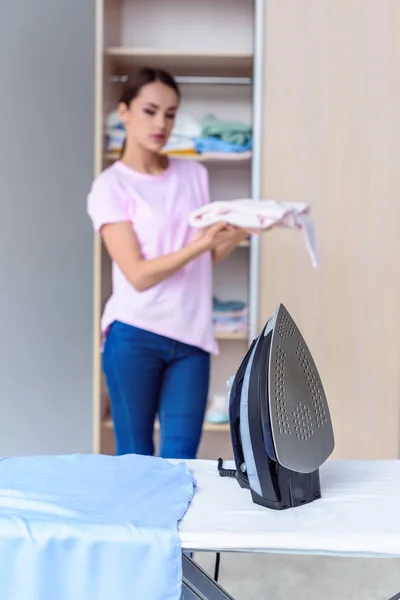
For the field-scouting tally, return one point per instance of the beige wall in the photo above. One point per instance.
(332, 139)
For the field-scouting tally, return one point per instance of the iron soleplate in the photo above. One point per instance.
(299, 414)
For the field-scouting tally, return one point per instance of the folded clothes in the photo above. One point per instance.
(187, 126)
(231, 132)
(228, 305)
(218, 411)
(114, 132)
(217, 318)
(230, 316)
(185, 129)
(203, 144)
(259, 214)
(171, 151)
(230, 327)
(189, 136)
(224, 315)
(237, 155)
(178, 143)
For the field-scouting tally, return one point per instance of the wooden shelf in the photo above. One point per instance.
(230, 336)
(179, 63)
(222, 158)
(221, 427)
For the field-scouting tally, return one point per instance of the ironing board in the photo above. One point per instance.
(357, 516)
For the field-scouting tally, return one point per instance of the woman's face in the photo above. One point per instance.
(150, 117)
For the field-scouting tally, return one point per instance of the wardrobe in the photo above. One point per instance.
(318, 81)
(216, 56)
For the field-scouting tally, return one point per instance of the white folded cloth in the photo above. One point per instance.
(259, 214)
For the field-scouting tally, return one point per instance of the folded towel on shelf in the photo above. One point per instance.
(187, 136)
(230, 316)
(218, 410)
(203, 144)
(231, 328)
(178, 143)
(185, 153)
(186, 126)
(259, 214)
(231, 132)
(238, 154)
(233, 317)
(228, 305)
(114, 132)
(222, 317)
(185, 129)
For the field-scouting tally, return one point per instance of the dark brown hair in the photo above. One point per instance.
(142, 78)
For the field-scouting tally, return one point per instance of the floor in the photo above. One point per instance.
(263, 577)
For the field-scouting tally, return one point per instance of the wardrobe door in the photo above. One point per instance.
(46, 270)
(332, 139)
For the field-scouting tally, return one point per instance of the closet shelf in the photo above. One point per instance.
(216, 427)
(231, 336)
(222, 158)
(180, 62)
(206, 427)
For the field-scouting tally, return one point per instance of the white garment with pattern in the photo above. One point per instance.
(259, 214)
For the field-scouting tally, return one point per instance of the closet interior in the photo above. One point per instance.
(210, 48)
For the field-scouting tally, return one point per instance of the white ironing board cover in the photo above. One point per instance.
(358, 514)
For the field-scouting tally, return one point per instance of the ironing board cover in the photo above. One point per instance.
(358, 514)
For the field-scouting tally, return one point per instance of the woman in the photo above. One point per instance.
(158, 322)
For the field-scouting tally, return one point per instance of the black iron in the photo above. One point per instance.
(280, 424)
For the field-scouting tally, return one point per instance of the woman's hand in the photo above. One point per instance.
(222, 239)
(210, 237)
(229, 240)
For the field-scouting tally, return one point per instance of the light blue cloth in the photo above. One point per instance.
(91, 527)
(228, 305)
(213, 144)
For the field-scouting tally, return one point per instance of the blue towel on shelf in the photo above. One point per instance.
(228, 305)
(91, 527)
(213, 144)
(220, 319)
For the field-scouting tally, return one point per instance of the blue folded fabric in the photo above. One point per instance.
(228, 305)
(91, 527)
(220, 319)
(213, 144)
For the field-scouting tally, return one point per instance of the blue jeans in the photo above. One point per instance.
(148, 374)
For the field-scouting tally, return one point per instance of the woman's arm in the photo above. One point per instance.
(122, 245)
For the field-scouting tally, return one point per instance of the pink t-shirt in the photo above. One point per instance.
(158, 206)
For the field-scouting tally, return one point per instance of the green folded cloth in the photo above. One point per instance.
(232, 132)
